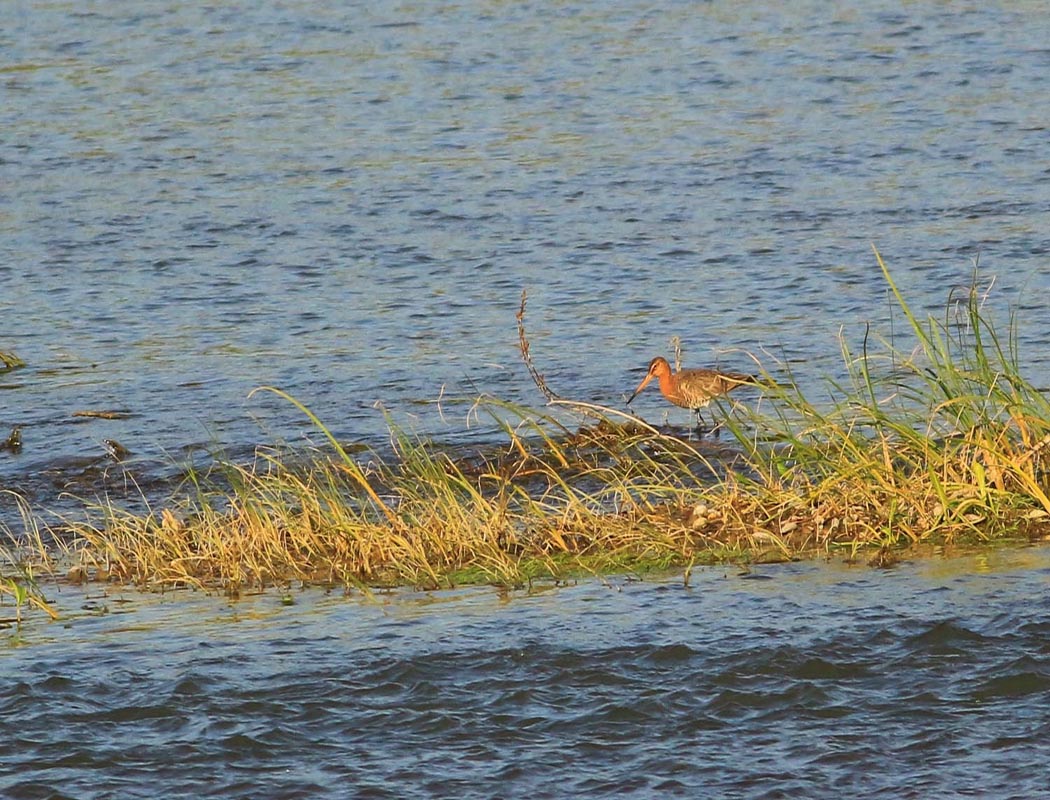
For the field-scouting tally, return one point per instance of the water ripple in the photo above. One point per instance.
(901, 684)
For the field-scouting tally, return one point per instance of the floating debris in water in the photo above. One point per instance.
(118, 451)
(114, 414)
(14, 441)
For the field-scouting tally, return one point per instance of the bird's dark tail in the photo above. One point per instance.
(758, 381)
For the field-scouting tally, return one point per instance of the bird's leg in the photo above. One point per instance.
(700, 425)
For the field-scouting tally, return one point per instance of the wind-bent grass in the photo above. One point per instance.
(939, 442)
(549, 502)
(20, 561)
(945, 439)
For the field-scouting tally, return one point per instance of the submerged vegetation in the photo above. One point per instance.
(944, 441)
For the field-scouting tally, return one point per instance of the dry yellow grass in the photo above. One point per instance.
(940, 441)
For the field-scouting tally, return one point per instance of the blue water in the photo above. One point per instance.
(806, 680)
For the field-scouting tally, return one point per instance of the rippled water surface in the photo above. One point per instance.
(808, 680)
(346, 199)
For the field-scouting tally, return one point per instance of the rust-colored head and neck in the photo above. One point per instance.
(661, 370)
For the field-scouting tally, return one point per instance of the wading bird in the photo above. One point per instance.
(691, 388)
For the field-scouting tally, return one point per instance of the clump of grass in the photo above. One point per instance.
(936, 442)
(20, 561)
(9, 361)
(942, 440)
(549, 503)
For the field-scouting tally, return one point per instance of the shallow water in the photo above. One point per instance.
(346, 200)
(802, 680)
